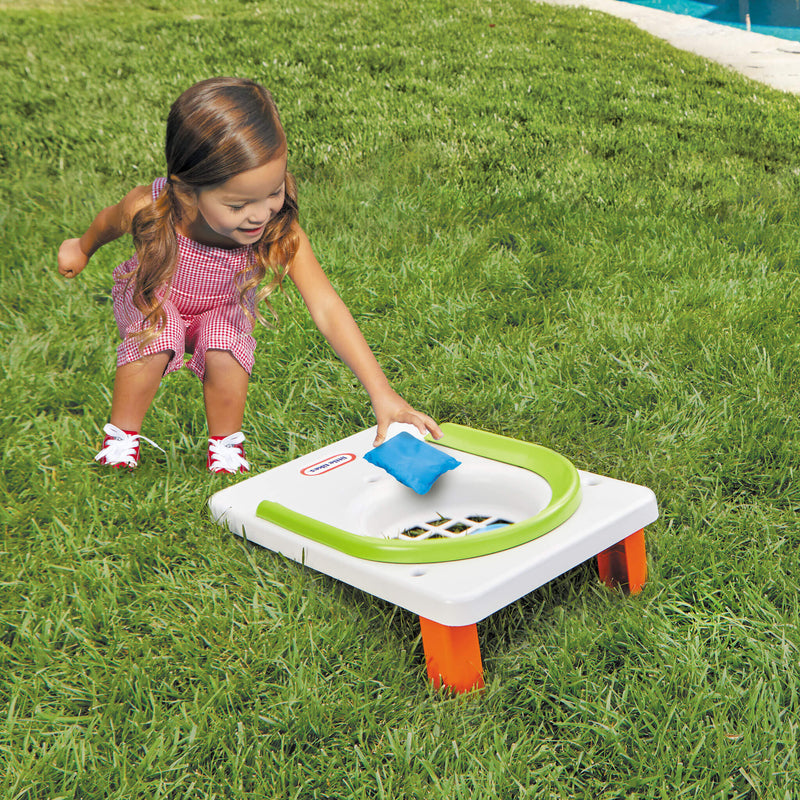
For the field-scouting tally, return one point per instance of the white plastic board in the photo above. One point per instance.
(335, 485)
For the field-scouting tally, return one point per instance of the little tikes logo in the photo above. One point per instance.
(334, 462)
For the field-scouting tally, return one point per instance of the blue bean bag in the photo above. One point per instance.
(414, 463)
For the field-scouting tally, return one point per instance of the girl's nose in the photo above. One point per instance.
(256, 218)
(260, 213)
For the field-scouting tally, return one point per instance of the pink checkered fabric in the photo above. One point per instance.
(203, 311)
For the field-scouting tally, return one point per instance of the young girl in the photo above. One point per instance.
(205, 237)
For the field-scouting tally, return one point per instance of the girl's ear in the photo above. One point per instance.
(184, 194)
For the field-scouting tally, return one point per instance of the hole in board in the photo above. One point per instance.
(459, 527)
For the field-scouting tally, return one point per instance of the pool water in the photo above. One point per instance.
(773, 17)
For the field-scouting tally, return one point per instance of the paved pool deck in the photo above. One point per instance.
(768, 59)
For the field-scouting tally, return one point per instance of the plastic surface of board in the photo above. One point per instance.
(557, 471)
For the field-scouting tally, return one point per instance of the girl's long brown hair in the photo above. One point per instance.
(215, 130)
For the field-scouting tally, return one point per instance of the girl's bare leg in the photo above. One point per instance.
(135, 386)
(225, 393)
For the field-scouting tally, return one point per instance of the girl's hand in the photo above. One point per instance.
(71, 259)
(390, 407)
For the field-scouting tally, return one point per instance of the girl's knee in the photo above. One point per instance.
(222, 364)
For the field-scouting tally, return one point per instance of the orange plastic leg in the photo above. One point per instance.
(625, 563)
(453, 655)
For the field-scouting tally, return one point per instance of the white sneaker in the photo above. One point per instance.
(226, 454)
(121, 448)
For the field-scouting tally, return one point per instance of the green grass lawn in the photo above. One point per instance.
(550, 226)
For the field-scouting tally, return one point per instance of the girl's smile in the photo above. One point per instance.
(254, 232)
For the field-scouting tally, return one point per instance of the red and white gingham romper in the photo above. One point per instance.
(203, 310)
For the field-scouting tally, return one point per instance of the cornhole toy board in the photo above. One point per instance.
(510, 518)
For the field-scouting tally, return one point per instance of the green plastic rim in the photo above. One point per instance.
(558, 471)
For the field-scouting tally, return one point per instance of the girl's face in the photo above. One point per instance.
(236, 212)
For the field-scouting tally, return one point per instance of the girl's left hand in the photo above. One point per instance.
(392, 408)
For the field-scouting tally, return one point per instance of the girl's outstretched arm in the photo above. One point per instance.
(109, 224)
(337, 325)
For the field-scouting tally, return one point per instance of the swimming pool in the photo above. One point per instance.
(774, 17)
